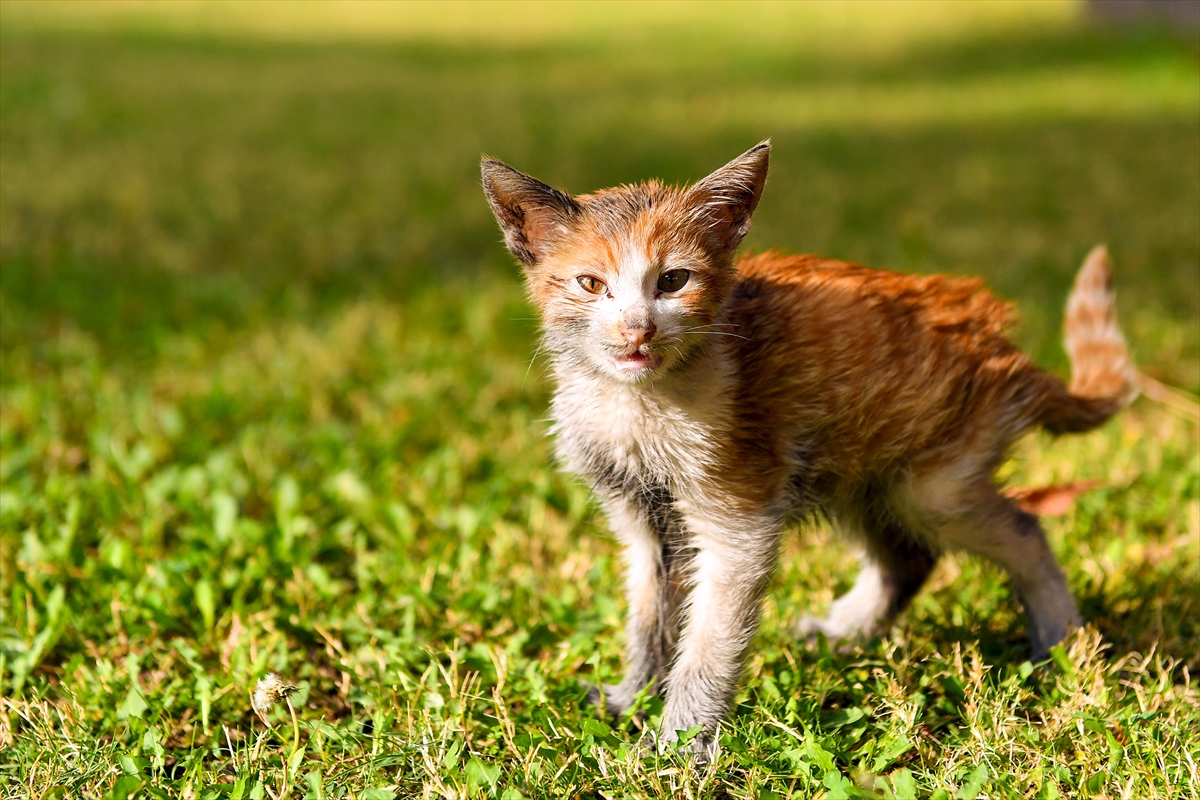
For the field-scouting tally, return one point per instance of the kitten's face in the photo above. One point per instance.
(630, 289)
(629, 281)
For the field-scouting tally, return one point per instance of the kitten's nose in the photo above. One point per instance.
(639, 332)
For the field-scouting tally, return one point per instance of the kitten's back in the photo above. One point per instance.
(875, 368)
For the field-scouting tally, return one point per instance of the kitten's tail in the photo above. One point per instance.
(1101, 370)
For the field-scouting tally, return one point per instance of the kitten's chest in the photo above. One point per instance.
(627, 436)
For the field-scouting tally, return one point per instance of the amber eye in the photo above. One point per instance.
(674, 280)
(591, 285)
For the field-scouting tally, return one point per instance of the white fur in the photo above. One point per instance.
(667, 430)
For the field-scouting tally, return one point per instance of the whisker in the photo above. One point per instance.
(714, 333)
(712, 325)
(536, 353)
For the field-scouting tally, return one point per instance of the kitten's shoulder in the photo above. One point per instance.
(774, 264)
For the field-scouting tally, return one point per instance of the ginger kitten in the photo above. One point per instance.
(707, 401)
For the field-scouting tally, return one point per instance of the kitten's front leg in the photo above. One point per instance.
(642, 525)
(730, 571)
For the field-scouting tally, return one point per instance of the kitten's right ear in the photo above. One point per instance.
(726, 199)
(530, 213)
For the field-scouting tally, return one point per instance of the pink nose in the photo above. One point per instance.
(638, 334)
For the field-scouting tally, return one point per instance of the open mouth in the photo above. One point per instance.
(636, 361)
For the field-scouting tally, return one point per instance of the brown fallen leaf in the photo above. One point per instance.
(1049, 501)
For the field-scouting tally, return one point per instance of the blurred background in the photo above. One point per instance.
(193, 169)
(269, 398)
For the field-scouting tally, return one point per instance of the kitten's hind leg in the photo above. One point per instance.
(997, 529)
(894, 566)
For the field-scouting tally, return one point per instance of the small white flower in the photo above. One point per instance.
(267, 692)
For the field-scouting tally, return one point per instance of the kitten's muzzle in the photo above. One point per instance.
(638, 356)
(638, 332)
(636, 362)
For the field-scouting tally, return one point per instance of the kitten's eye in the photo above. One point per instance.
(591, 285)
(674, 280)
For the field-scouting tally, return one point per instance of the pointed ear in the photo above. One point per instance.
(727, 198)
(529, 212)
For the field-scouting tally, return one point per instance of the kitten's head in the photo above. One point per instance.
(629, 281)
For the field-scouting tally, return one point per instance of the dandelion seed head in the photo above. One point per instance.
(269, 691)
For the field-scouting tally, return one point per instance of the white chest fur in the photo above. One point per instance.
(666, 432)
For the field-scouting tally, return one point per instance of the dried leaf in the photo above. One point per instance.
(1049, 501)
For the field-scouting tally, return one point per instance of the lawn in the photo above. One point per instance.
(269, 400)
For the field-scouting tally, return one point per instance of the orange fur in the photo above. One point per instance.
(708, 400)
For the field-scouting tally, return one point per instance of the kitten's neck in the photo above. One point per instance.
(662, 432)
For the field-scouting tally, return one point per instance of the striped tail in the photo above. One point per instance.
(1101, 370)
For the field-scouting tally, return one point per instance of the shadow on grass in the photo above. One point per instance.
(1153, 610)
(174, 212)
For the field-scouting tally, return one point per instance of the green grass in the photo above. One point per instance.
(267, 402)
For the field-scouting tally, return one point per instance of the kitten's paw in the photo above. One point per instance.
(841, 638)
(702, 746)
(809, 626)
(1042, 638)
(609, 698)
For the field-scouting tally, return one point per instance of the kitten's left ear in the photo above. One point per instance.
(530, 213)
(727, 198)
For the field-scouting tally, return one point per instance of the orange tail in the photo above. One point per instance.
(1101, 370)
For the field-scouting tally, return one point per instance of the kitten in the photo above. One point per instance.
(708, 401)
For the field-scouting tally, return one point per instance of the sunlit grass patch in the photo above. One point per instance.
(860, 27)
(269, 399)
(381, 528)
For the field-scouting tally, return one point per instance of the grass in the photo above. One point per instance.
(267, 406)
